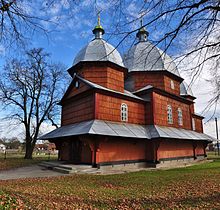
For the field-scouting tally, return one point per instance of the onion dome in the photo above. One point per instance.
(144, 56)
(98, 49)
(185, 90)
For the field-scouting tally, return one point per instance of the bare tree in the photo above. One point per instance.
(31, 89)
(187, 28)
(18, 21)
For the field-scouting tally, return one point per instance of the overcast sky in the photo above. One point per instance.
(72, 29)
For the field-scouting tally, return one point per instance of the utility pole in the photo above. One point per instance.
(216, 127)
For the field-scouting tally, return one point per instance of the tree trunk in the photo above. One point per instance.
(29, 149)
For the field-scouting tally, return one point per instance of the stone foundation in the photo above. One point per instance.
(169, 163)
(123, 166)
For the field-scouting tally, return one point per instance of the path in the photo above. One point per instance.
(32, 171)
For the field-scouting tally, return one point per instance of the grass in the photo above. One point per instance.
(16, 160)
(213, 155)
(195, 187)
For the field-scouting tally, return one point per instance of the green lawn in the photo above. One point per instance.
(16, 160)
(195, 187)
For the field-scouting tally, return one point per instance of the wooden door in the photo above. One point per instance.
(75, 151)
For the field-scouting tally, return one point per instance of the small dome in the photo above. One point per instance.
(144, 56)
(185, 89)
(99, 50)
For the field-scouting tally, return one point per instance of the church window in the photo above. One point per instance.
(193, 124)
(124, 112)
(172, 84)
(180, 116)
(169, 114)
(77, 84)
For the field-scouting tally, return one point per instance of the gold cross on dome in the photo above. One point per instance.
(99, 22)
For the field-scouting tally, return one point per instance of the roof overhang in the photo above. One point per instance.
(160, 72)
(101, 89)
(190, 97)
(117, 129)
(150, 88)
(198, 116)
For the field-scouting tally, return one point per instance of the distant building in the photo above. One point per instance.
(2, 148)
(46, 147)
(135, 110)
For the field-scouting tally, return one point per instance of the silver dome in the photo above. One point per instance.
(144, 56)
(185, 89)
(99, 50)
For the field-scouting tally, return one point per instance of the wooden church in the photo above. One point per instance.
(132, 111)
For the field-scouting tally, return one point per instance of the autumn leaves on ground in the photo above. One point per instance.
(196, 187)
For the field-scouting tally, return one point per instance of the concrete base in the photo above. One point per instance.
(124, 166)
(162, 164)
(65, 168)
(201, 158)
(180, 163)
(167, 163)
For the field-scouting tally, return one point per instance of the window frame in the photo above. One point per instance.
(172, 85)
(180, 116)
(77, 84)
(124, 112)
(169, 114)
(193, 124)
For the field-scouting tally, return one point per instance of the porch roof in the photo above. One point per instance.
(107, 128)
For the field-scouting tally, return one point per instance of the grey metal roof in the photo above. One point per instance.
(144, 88)
(94, 85)
(144, 56)
(185, 89)
(99, 127)
(99, 50)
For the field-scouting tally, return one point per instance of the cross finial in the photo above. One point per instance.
(99, 22)
(142, 33)
(98, 30)
(141, 21)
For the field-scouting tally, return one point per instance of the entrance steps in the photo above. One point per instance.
(49, 164)
(66, 168)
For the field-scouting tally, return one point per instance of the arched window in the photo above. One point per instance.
(169, 114)
(193, 124)
(172, 84)
(77, 84)
(180, 116)
(124, 112)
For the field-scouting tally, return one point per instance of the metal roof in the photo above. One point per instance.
(185, 89)
(143, 89)
(144, 56)
(100, 127)
(99, 50)
(94, 85)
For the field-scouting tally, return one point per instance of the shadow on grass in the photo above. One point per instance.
(161, 202)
